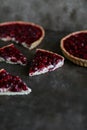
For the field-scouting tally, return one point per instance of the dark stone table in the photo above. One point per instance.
(58, 100)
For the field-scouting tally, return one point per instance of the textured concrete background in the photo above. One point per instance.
(61, 15)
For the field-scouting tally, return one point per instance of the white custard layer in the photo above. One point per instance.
(47, 69)
(7, 92)
(8, 60)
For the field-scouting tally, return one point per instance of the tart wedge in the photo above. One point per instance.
(45, 61)
(12, 55)
(12, 85)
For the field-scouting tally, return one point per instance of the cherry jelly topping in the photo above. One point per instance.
(10, 82)
(21, 32)
(44, 59)
(13, 53)
(76, 45)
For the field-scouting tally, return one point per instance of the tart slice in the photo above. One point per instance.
(12, 85)
(12, 55)
(74, 47)
(45, 61)
(25, 33)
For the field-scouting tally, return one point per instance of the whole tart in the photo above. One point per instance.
(25, 33)
(12, 85)
(74, 47)
(45, 61)
(10, 54)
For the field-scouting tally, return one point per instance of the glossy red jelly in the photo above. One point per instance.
(13, 54)
(76, 45)
(23, 33)
(10, 82)
(44, 59)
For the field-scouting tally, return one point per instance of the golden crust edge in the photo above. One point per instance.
(36, 43)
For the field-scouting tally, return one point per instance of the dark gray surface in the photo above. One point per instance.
(51, 14)
(58, 100)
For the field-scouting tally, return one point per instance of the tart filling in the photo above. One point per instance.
(45, 61)
(12, 85)
(12, 55)
(74, 47)
(25, 33)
